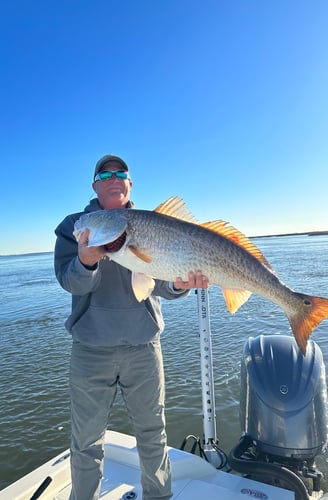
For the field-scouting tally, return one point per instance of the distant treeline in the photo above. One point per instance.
(311, 233)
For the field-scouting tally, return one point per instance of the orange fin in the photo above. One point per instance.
(141, 255)
(142, 285)
(176, 207)
(235, 298)
(223, 228)
(314, 310)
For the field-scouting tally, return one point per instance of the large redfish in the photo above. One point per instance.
(168, 243)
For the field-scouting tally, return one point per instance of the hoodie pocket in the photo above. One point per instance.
(109, 327)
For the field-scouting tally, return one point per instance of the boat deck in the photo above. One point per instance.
(193, 478)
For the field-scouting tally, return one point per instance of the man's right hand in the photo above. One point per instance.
(89, 256)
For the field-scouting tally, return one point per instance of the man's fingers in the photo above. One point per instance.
(83, 241)
(195, 280)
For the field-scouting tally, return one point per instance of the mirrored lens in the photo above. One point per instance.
(104, 176)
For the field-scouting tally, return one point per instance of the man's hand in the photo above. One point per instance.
(89, 256)
(195, 280)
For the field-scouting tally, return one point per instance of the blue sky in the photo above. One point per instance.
(223, 103)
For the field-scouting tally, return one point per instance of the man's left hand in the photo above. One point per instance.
(195, 280)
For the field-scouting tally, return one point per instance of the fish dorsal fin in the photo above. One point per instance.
(235, 298)
(176, 207)
(223, 228)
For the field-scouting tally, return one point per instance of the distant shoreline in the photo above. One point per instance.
(311, 233)
(307, 233)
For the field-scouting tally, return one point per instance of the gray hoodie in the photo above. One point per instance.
(105, 311)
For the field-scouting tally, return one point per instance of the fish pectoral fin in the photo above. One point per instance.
(235, 298)
(141, 255)
(176, 207)
(142, 285)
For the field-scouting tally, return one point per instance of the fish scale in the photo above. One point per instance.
(160, 245)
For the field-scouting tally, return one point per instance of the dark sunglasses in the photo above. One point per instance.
(108, 174)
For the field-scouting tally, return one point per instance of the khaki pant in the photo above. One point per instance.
(95, 375)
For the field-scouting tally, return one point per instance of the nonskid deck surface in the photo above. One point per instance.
(192, 477)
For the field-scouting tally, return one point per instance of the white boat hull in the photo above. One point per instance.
(192, 477)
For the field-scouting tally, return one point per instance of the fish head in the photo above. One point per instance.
(104, 226)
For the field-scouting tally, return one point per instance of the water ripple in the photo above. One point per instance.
(34, 419)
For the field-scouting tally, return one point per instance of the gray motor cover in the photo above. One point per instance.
(283, 403)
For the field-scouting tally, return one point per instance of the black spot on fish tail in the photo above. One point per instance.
(307, 318)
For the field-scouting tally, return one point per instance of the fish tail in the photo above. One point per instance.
(307, 318)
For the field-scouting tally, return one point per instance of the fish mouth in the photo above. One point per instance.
(116, 245)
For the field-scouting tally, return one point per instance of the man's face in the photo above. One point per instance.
(113, 192)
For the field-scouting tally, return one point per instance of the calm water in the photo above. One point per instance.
(34, 356)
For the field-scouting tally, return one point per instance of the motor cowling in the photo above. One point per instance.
(283, 405)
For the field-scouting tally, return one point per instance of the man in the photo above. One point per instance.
(116, 344)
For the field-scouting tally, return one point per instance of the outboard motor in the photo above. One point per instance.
(283, 413)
